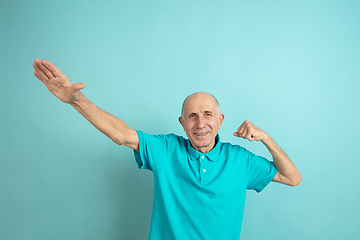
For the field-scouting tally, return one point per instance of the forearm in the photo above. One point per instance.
(113, 127)
(282, 162)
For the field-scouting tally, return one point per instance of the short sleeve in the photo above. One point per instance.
(152, 150)
(260, 172)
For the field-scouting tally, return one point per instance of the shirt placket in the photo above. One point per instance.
(204, 169)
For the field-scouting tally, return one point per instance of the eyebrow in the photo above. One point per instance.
(206, 111)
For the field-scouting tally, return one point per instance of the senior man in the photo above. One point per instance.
(200, 183)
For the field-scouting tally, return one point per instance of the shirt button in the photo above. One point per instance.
(202, 157)
(204, 170)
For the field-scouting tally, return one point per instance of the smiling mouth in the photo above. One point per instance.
(201, 134)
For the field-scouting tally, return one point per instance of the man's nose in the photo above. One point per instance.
(201, 122)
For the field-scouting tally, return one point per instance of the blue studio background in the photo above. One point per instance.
(290, 67)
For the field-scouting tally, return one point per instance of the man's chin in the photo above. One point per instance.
(198, 145)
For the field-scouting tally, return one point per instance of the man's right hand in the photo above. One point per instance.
(57, 82)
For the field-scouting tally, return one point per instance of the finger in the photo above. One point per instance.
(38, 76)
(246, 134)
(44, 69)
(39, 73)
(242, 127)
(249, 136)
(78, 86)
(49, 66)
(251, 131)
(245, 129)
(247, 122)
(240, 131)
(41, 69)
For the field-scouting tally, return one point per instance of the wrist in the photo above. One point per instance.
(266, 139)
(80, 102)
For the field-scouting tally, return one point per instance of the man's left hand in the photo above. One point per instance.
(249, 131)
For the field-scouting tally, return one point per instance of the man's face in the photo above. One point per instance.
(201, 121)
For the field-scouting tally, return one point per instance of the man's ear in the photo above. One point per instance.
(221, 119)
(181, 120)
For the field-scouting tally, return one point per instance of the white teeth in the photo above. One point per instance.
(200, 134)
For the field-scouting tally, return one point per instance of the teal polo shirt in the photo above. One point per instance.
(199, 196)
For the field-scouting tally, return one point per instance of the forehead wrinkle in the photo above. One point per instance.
(199, 109)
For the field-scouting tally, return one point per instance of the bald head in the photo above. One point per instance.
(199, 96)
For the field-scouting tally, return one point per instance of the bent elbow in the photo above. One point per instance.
(116, 141)
(117, 138)
(127, 138)
(296, 181)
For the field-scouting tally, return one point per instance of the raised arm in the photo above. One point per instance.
(60, 86)
(287, 172)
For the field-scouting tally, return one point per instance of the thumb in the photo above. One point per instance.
(236, 134)
(78, 86)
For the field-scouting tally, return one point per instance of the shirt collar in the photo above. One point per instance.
(213, 155)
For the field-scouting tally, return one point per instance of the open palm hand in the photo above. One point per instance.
(57, 82)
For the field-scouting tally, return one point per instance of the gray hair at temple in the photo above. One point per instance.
(210, 95)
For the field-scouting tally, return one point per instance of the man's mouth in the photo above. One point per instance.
(201, 134)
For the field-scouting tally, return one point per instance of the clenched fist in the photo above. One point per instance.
(249, 131)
